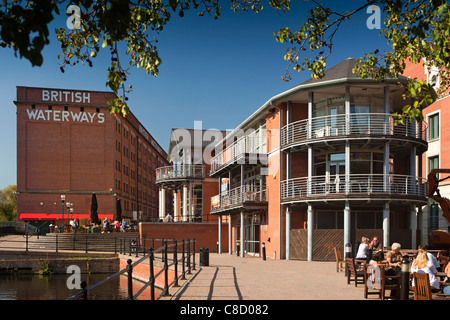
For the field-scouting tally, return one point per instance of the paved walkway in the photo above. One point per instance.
(229, 277)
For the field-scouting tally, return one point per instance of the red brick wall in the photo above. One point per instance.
(205, 234)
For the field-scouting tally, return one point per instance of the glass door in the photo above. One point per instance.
(336, 172)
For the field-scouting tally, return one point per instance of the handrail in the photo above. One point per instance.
(352, 124)
(355, 184)
(237, 196)
(183, 171)
(255, 143)
(185, 260)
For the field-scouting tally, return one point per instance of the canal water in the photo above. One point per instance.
(54, 287)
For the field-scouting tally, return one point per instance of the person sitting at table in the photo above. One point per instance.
(423, 265)
(362, 249)
(376, 245)
(394, 258)
(430, 257)
(443, 258)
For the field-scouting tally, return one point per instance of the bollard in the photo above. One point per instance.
(264, 250)
(130, 280)
(404, 285)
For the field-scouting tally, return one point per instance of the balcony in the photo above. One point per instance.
(174, 175)
(361, 125)
(324, 188)
(250, 149)
(247, 197)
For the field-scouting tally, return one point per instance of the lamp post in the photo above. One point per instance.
(71, 212)
(68, 212)
(63, 198)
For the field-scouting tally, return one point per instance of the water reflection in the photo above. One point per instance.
(34, 287)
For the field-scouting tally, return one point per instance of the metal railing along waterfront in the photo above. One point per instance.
(238, 196)
(187, 251)
(56, 242)
(362, 184)
(254, 143)
(184, 171)
(352, 124)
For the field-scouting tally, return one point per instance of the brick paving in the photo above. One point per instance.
(229, 277)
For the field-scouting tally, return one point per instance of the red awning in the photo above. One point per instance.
(54, 216)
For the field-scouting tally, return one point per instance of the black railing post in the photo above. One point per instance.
(83, 285)
(130, 280)
(189, 256)
(115, 245)
(56, 242)
(166, 271)
(152, 275)
(182, 261)
(86, 242)
(138, 244)
(26, 237)
(162, 245)
(175, 261)
(130, 247)
(193, 254)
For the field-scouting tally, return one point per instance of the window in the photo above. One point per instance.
(433, 163)
(433, 122)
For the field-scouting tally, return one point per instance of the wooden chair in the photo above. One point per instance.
(353, 274)
(376, 280)
(422, 288)
(340, 263)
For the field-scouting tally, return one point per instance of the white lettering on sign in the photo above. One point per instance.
(58, 115)
(66, 96)
(143, 132)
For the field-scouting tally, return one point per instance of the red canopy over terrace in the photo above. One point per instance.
(55, 216)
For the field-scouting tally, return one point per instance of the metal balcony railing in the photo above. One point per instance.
(179, 172)
(238, 197)
(352, 124)
(356, 184)
(254, 143)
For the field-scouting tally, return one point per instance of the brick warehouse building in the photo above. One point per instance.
(321, 165)
(69, 144)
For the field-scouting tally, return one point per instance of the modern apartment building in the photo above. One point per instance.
(187, 175)
(321, 165)
(438, 154)
(68, 144)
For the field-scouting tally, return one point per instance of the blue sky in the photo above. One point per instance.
(215, 71)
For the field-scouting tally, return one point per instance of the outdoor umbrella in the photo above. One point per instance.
(94, 208)
(118, 211)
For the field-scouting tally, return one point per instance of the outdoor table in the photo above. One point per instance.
(441, 275)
